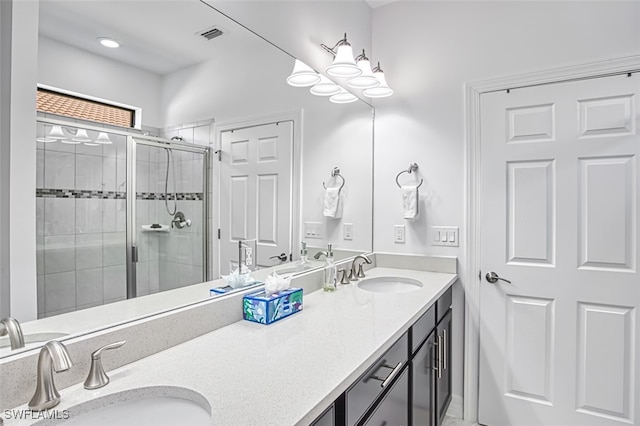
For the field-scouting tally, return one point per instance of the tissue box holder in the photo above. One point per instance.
(259, 308)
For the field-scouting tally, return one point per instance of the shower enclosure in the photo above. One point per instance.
(118, 215)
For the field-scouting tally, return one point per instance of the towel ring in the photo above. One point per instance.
(412, 168)
(336, 172)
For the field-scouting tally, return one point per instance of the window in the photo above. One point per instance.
(49, 101)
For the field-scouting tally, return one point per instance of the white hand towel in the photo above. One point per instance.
(409, 201)
(331, 202)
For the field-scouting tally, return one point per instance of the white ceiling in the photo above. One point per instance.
(378, 3)
(157, 36)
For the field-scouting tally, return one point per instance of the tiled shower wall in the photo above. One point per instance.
(81, 220)
(81, 224)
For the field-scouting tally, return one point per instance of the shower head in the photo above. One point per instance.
(177, 138)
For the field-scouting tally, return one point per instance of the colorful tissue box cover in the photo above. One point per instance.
(257, 307)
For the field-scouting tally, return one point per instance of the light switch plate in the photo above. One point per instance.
(347, 231)
(398, 234)
(445, 236)
(313, 230)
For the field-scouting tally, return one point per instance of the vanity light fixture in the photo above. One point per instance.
(81, 136)
(381, 91)
(367, 79)
(108, 42)
(343, 97)
(56, 133)
(45, 139)
(103, 139)
(343, 64)
(325, 87)
(302, 75)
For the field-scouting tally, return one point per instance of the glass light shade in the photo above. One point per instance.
(365, 80)
(81, 136)
(343, 64)
(325, 87)
(69, 141)
(56, 133)
(91, 144)
(45, 140)
(343, 97)
(103, 138)
(381, 91)
(302, 75)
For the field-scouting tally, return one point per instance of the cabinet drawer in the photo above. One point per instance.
(421, 329)
(393, 409)
(326, 418)
(444, 303)
(364, 392)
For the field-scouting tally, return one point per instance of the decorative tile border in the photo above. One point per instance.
(113, 195)
(79, 193)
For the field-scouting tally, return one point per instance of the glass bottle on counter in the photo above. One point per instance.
(330, 272)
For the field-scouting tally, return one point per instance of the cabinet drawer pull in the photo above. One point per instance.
(389, 378)
(444, 349)
(438, 366)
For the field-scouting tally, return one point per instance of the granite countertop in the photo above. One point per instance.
(285, 373)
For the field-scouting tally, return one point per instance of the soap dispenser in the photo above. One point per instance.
(304, 260)
(330, 272)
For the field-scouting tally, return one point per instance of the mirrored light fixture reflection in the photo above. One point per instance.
(81, 136)
(325, 87)
(343, 64)
(56, 133)
(91, 144)
(103, 139)
(381, 91)
(302, 75)
(343, 97)
(365, 80)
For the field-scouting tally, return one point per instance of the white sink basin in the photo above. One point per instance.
(156, 406)
(390, 284)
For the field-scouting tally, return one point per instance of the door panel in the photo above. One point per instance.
(559, 220)
(255, 192)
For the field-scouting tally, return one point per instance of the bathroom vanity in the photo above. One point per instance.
(351, 357)
(410, 384)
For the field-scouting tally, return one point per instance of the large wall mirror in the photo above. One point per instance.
(218, 136)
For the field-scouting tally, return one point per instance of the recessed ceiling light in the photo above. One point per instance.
(108, 42)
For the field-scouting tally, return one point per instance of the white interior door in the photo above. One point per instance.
(255, 192)
(559, 219)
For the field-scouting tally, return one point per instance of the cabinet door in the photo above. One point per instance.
(443, 380)
(326, 418)
(393, 410)
(423, 386)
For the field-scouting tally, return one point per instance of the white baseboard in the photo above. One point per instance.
(455, 407)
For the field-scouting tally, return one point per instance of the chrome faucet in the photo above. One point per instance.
(11, 326)
(53, 357)
(320, 253)
(353, 276)
(97, 378)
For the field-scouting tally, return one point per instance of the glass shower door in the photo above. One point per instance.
(170, 219)
(80, 216)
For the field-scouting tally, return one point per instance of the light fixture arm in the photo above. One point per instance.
(377, 68)
(340, 42)
(361, 57)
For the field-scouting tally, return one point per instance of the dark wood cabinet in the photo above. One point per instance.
(409, 385)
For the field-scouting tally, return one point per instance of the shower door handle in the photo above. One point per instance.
(134, 254)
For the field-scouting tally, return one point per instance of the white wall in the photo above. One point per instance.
(299, 27)
(5, 116)
(428, 51)
(66, 67)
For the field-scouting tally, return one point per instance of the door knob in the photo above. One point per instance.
(493, 278)
(282, 257)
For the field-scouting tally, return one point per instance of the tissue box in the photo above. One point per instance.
(266, 310)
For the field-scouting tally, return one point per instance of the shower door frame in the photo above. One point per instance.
(133, 140)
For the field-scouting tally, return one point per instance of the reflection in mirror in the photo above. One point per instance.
(216, 94)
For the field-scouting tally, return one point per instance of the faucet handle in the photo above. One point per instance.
(344, 279)
(97, 377)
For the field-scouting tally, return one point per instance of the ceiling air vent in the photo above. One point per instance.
(211, 33)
